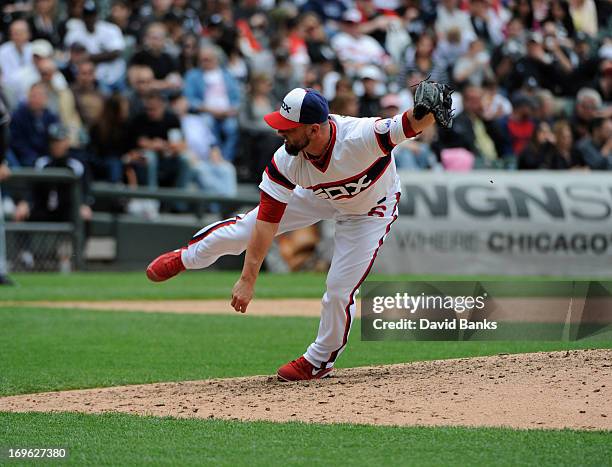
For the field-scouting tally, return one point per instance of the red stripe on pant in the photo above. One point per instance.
(347, 310)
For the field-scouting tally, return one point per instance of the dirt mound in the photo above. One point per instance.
(539, 390)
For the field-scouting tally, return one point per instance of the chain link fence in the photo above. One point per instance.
(39, 251)
(45, 246)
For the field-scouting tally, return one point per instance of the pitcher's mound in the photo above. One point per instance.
(538, 390)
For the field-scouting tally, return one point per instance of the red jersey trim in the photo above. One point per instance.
(407, 127)
(347, 310)
(323, 163)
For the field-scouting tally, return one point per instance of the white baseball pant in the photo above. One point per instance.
(356, 243)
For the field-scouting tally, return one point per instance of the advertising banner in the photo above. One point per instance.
(502, 223)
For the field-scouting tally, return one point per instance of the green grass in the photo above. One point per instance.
(167, 441)
(135, 286)
(191, 285)
(61, 349)
(43, 350)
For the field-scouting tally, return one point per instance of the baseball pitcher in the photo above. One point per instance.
(330, 167)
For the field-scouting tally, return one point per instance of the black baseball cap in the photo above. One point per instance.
(90, 8)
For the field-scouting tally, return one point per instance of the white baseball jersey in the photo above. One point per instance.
(356, 171)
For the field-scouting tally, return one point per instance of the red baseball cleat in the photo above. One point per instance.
(301, 369)
(165, 266)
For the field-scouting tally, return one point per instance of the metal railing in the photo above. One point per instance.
(25, 178)
(200, 201)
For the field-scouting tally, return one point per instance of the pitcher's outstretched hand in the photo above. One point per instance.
(242, 294)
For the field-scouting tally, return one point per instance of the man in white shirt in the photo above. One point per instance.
(15, 54)
(355, 49)
(211, 173)
(104, 42)
(449, 17)
(17, 91)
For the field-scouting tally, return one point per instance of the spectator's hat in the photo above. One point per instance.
(371, 72)
(523, 100)
(390, 100)
(77, 47)
(299, 107)
(89, 8)
(58, 132)
(215, 20)
(352, 16)
(42, 48)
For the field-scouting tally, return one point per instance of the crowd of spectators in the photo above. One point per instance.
(172, 92)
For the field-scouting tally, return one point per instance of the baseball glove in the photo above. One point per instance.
(435, 98)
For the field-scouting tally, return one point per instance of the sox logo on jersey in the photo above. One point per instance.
(343, 191)
(352, 186)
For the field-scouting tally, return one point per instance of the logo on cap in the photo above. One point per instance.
(299, 107)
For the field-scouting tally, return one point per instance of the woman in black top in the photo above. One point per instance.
(549, 150)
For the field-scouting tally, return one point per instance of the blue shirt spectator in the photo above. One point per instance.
(196, 88)
(213, 91)
(29, 128)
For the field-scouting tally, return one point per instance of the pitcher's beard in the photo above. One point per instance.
(293, 149)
